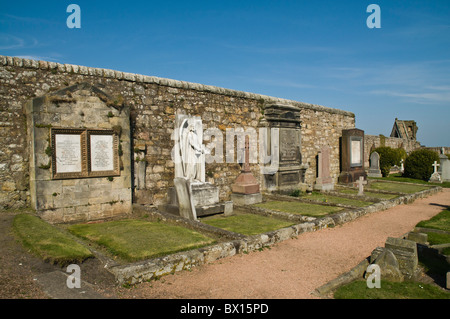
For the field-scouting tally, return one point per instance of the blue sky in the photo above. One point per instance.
(319, 52)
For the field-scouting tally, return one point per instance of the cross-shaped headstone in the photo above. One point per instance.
(435, 165)
(361, 182)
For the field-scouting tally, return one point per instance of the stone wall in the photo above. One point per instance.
(153, 103)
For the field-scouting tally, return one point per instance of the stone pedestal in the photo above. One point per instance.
(205, 198)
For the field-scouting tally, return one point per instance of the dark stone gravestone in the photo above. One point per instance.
(284, 141)
(352, 156)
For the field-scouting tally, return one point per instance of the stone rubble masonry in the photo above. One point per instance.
(153, 103)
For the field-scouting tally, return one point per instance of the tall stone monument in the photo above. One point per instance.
(352, 156)
(286, 171)
(191, 196)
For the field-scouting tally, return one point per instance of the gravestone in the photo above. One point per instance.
(388, 263)
(191, 196)
(435, 177)
(360, 183)
(374, 169)
(444, 169)
(352, 156)
(80, 166)
(285, 172)
(405, 252)
(324, 182)
(246, 187)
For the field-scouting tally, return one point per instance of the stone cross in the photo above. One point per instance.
(435, 165)
(246, 166)
(361, 182)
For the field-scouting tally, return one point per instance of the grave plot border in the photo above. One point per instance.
(236, 243)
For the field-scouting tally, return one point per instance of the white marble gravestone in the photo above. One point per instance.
(191, 196)
(435, 177)
(360, 183)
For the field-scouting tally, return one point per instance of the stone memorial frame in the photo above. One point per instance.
(79, 150)
(64, 126)
(85, 150)
(113, 167)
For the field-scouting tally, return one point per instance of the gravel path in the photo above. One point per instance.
(293, 268)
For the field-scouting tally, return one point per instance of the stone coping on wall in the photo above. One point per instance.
(154, 268)
(138, 78)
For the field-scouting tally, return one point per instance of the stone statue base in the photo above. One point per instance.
(435, 178)
(374, 173)
(205, 201)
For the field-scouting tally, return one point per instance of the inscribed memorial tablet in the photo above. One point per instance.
(68, 153)
(102, 152)
(356, 152)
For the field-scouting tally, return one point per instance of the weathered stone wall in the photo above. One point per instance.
(319, 129)
(153, 103)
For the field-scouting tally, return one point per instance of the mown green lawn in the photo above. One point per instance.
(396, 187)
(306, 209)
(367, 193)
(400, 178)
(336, 200)
(134, 240)
(246, 224)
(390, 290)
(47, 241)
(440, 221)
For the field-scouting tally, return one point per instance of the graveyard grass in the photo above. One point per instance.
(306, 209)
(439, 222)
(246, 224)
(48, 242)
(336, 200)
(399, 178)
(368, 193)
(133, 239)
(395, 187)
(391, 290)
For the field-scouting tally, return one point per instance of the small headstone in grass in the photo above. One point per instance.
(388, 263)
(420, 238)
(374, 169)
(360, 183)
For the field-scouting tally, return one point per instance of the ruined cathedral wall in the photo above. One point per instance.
(153, 103)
